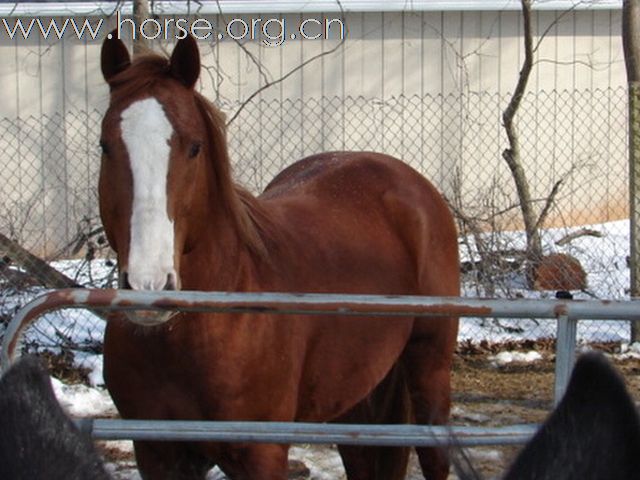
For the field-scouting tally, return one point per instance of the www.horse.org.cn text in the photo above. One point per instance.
(271, 31)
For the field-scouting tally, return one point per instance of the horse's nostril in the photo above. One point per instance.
(123, 281)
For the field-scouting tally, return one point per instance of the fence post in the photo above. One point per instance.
(634, 197)
(565, 354)
(631, 46)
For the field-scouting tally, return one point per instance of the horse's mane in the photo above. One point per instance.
(145, 71)
(250, 219)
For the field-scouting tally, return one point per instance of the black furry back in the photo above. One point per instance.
(594, 433)
(37, 439)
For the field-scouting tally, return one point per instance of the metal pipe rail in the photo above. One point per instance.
(566, 312)
(315, 433)
(311, 304)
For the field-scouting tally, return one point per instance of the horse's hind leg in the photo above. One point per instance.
(428, 360)
(387, 404)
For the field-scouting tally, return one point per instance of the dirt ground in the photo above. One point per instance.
(489, 395)
(485, 394)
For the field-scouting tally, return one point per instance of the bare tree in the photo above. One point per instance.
(482, 223)
(512, 154)
(532, 218)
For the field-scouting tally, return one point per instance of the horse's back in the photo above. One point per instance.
(332, 171)
(373, 203)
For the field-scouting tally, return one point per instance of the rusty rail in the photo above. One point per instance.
(311, 304)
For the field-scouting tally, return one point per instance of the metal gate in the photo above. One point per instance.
(565, 312)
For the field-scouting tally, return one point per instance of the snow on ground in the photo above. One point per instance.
(629, 351)
(505, 358)
(603, 257)
(82, 401)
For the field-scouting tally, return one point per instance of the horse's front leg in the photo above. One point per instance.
(255, 462)
(171, 461)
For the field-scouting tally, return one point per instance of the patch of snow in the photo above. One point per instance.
(484, 454)
(123, 446)
(93, 362)
(123, 471)
(82, 401)
(322, 463)
(505, 358)
(628, 351)
(458, 412)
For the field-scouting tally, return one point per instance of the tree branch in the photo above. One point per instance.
(548, 204)
(37, 268)
(277, 81)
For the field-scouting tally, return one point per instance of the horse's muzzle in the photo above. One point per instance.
(148, 318)
(172, 283)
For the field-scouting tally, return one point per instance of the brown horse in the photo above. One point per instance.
(334, 222)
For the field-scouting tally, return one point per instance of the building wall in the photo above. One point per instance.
(426, 86)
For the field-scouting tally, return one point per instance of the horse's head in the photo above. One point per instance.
(153, 164)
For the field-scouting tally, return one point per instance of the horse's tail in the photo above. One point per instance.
(389, 403)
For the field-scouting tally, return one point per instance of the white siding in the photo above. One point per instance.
(428, 86)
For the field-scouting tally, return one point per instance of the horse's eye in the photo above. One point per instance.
(194, 149)
(104, 147)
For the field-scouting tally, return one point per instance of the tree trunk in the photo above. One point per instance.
(35, 267)
(512, 154)
(140, 14)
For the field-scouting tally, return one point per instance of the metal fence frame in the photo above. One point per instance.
(565, 312)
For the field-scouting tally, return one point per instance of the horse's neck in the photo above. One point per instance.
(226, 239)
(220, 259)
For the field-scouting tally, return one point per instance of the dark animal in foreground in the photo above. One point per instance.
(593, 434)
(37, 440)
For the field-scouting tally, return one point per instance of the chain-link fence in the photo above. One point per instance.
(573, 148)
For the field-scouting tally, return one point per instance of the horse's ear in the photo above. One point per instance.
(185, 61)
(114, 57)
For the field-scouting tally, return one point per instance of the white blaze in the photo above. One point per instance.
(146, 132)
